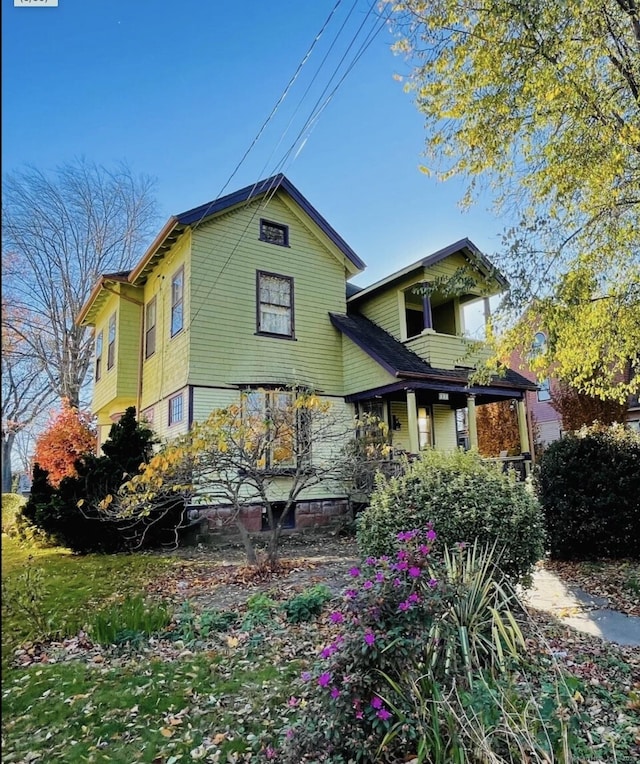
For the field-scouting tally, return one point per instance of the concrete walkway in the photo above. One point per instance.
(580, 610)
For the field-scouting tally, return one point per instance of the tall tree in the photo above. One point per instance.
(25, 389)
(540, 102)
(61, 231)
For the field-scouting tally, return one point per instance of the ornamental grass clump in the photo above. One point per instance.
(405, 612)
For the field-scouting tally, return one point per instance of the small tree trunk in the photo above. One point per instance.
(248, 544)
(274, 543)
(7, 446)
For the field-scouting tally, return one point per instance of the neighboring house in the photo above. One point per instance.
(250, 293)
(548, 421)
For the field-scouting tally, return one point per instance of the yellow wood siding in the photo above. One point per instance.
(444, 428)
(117, 387)
(400, 438)
(166, 371)
(361, 372)
(225, 350)
(386, 308)
(445, 351)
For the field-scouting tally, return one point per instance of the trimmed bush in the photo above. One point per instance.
(18, 526)
(465, 498)
(589, 488)
(12, 504)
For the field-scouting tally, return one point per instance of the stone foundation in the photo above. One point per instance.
(311, 514)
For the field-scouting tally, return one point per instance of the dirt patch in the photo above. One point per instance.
(219, 578)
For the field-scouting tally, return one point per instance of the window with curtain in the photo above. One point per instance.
(275, 304)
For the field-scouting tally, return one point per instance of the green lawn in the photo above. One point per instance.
(133, 706)
(71, 585)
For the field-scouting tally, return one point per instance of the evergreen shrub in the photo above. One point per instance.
(588, 483)
(466, 498)
(70, 513)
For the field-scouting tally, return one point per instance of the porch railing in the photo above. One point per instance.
(520, 464)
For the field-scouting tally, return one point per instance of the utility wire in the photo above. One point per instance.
(311, 121)
(273, 110)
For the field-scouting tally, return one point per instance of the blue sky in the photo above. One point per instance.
(179, 89)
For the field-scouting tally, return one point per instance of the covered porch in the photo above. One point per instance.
(423, 414)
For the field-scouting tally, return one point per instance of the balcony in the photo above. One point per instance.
(446, 351)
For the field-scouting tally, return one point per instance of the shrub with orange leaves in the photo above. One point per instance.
(70, 434)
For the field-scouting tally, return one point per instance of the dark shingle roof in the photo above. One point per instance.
(398, 360)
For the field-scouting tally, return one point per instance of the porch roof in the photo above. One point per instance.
(403, 363)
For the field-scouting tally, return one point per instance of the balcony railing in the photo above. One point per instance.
(446, 351)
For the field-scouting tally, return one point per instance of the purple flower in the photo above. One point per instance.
(305, 676)
(359, 714)
(379, 577)
(355, 572)
(404, 606)
(432, 583)
(383, 714)
(336, 617)
(376, 702)
(431, 535)
(324, 679)
(370, 561)
(351, 594)
(414, 572)
(367, 585)
(369, 638)
(424, 549)
(402, 565)
(335, 693)
(406, 535)
(289, 734)
(327, 652)
(402, 555)
(270, 752)
(413, 597)
(397, 582)
(384, 558)
(293, 701)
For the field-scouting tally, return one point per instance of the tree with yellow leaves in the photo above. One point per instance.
(540, 102)
(268, 450)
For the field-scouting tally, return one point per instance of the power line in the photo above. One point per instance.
(284, 94)
(310, 121)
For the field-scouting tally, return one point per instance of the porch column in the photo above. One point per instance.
(412, 415)
(471, 421)
(523, 427)
(427, 318)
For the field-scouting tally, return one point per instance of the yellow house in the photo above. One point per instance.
(250, 292)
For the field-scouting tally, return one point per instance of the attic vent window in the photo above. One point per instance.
(274, 233)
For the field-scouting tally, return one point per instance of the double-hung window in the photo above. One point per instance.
(99, 356)
(150, 328)
(177, 302)
(175, 409)
(276, 431)
(275, 304)
(111, 346)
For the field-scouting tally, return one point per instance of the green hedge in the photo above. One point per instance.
(589, 487)
(463, 497)
(12, 503)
